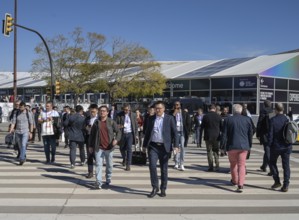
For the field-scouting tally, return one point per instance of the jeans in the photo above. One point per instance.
(285, 159)
(126, 148)
(213, 150)
(156, 153)
(100, 156)
(22, 140)
(237, 159)
(73, 148)
(198, 136)
(49, 141)
(266, 158)
(179, 157)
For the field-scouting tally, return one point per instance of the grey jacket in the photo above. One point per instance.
(94, 137)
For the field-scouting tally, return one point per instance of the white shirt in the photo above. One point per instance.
(158, 129)
(44, 115)
(127, 124)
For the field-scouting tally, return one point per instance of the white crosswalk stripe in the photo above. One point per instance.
(54, 191)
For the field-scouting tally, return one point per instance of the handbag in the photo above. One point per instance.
(47, 128)
(10, 138)
(138, 157)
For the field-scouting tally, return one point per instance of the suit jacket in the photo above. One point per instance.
(186, 121)
(275, 137)
(115, 113)
(76, 127)
(237, 133)
(211, 123)
(169, 133)
(120, 120)
(94, 137)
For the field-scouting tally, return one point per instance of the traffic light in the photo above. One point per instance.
(48, 91)
(57, 87)
(7, 25)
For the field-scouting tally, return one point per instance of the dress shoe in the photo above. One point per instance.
(89, 175)
(123, 162)
(270, 174)
(276, 185)
(263, 169)
(211, 169)
(163, 193)
(128, 168)
(153, 193)
(284, 189)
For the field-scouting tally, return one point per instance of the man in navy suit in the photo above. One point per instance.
(160, 134)
(76, 126)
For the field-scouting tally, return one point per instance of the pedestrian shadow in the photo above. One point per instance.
(214, 183)
(125, 190)
(70, 179)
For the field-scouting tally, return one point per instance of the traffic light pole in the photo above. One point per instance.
(49, 54)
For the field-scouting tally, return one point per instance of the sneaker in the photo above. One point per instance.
(83, 163)
(239, 189)
(72, 166)
(284, 189)
(276, 185)
(89, 175)
(22, 162)
(176, 166)
(107, 183)
(216, 168)
(97, 186)
(182, 168)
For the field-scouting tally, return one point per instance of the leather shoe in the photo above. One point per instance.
(89, 175)
(163, 193)
(153, 193)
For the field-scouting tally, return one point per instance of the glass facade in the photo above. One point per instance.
(227, 91)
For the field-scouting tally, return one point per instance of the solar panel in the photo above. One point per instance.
(215, 67)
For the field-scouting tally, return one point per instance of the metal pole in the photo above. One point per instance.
(49, 55)
(15, 93)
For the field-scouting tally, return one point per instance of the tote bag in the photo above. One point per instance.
(47, 128)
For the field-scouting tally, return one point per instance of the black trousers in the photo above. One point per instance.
(156, 153)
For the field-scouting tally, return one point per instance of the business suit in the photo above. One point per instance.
(278, 147)
(76, 127)
(127, 138)
(160, 151)
(113, 114)
(211, 125)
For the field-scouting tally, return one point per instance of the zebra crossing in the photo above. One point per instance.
(54, 191)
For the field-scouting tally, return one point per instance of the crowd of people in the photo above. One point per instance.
(160, 134)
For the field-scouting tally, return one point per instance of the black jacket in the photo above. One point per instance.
(76, 127)
(211, 124)
(261, 128)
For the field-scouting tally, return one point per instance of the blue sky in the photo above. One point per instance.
(170, 29)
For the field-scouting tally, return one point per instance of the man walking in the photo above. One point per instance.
(262, 131)
(22, 123)
(237, 138)
(127, 122)
(211, 124)
(160, 134)
(278, 147)
(46, 119)
(76, 126)
(65, 115)
(103, 138)
(89, 121)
